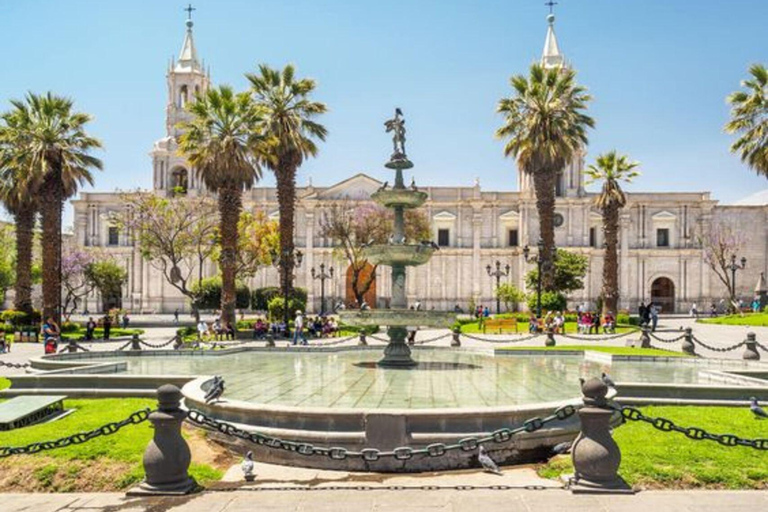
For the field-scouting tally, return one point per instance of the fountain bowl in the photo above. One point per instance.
(405, 197)
(408, 255)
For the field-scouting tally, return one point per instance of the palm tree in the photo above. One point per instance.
(611, 168)
(749, 119)
(218, 141)
(544, 128)
(288, 112)
(54, 148)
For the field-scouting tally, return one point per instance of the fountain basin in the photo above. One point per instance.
(404, 197)
(398, 318)
(398, 254)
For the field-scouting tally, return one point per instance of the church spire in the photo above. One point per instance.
(188, 61)
(551, 57)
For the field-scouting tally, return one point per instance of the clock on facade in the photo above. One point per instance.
(558, 220)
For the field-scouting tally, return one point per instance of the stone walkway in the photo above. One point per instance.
(406, 500)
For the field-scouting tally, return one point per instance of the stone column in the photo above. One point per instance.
(477, 226)
(309, 257)
(624, 262)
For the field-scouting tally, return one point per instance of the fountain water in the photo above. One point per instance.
(398, 255)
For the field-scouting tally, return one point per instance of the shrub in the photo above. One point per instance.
(550, 301)
(69, 327)
(17, 319)
(209, 293)
(261, 296)
(186, 331)
(276, 305)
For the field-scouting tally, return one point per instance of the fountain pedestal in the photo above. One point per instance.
(398, 353)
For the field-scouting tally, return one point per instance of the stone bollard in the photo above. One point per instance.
(550, 341)
(270, 340)
(456, 339)
(135, 342)
(645, 338)
(361, 339)
(688, 346)
(167, 457)
(596, 456)
(751, 353)
(178, 342)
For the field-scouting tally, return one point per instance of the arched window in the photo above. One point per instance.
(180, 183)
(183, 96)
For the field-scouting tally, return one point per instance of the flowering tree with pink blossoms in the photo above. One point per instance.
(74, 278)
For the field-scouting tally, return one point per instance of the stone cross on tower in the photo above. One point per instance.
(551, 5)
(189, 10)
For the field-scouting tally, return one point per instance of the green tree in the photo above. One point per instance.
(108, 277)
(219, 142)
(749, 119)
(545, 128)
(290, 132)
(611, 169)
(174, 235)
(259, 239)
(570, 269)
(56, 154)
(510, 295)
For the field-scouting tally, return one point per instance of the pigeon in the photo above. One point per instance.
(339, 306)
(391, 239)
(247, 467)
(398, 112)
(608, 381)
(413, 184)
(430, 243)
(215, 391)
(385, 185)
(364, 306)
(487, 462)
(562, 448)
(758, 411)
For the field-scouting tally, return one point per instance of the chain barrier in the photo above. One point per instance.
(15, 365)
(495, 487)
(79, 438)
(377, 338)
(403, 453)
(662, 340)
(334, 342)
(762, 347)
(158, 345)
(716, 349)
(598, 336)
(695, 433)
(505, 341)
(125, 346)
(432, 339)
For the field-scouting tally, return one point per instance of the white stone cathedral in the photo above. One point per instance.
(660, 258)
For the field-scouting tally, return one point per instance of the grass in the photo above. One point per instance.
(749, 319)
(98, 333)
(522, 328)
(617, 351)
(654, 459)
(4, 383)
(103, 464)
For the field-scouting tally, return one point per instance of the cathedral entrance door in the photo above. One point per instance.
(370, 295)
(663, 294)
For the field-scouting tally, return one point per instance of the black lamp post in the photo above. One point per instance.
(734, 267)
(322, 276)
(539, 261)
(277, 261)
(498, 274)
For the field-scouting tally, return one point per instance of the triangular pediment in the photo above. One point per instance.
(595, 217)
(444, 215)
(665, 215)
(510, 216)
(359, 187)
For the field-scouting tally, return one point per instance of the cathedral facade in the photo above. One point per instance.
(659, 255)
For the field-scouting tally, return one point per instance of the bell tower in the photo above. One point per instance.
(185, 78)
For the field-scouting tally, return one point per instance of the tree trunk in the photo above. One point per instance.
(544, 184)
(51, 205)
(230, 205)
(25, 224)
(611, 259)
(286, 198)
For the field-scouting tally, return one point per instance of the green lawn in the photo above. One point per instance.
(654, 459)
(98, 333)
(522, 328)
(118, 456)
(618, 351)
(4, 383)
(749, 319)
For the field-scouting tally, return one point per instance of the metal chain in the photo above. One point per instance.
(467, 444)
(673, 340)
(377, 338)
(716, 349)
(432, 339)
(334, 342)
(79, 438)
(506, 341)
(15, 365)
(762, 347)
(158, 345)
(358, 487)
(124, 346)
(695, 433)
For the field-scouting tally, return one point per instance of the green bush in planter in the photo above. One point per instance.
(275, 307)
(19, 318)
(261, 296)
(209, 291)
(550, 301)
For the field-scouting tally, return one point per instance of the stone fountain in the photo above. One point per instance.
(398, 255)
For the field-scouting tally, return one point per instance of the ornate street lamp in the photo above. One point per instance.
(734, 267)
(539, 261)
(322, 276)
(498, 274)
(277, 261)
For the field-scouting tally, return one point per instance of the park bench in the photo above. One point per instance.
(500, 325)
(25, 410)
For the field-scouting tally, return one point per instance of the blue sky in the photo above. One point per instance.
(659, 71)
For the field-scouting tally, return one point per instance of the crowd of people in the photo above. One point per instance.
(319, 326)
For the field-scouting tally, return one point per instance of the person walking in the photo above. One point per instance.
(654, 316)
(298, 329)
(107, 324)
(176, 317)
(642, 310)
(90, 326)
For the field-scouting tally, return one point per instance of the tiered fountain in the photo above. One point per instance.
(398, 254)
